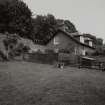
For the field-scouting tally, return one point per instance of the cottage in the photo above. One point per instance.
(85, 39)
(65, 40)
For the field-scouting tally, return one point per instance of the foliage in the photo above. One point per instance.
(44, 27)
(15, 17)
(20, 49)
(99, 41)
(64, 51)
(9, 40)
(70, 27)
(14, 46)
(49, 51)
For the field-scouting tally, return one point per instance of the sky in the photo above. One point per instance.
(87, 15)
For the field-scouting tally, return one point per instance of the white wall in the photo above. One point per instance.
(81, 39)
(90, 43)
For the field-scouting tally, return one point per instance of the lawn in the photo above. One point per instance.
(23, 83)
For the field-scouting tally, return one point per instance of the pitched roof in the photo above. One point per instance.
(71, 37)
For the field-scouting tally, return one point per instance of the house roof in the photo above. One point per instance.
(84, 35)
(71, 37)
(77, 35)
(88, 58)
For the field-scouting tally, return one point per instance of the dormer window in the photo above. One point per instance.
(81, 39)
(90, 43)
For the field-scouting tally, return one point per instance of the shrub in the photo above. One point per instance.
(49, 51)
(64, 51)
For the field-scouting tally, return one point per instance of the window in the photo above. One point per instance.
(56, 40)
(81, 39)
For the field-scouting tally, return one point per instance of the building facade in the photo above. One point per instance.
(64, 40)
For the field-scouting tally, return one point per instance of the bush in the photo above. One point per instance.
(64, 51)
(49, 51)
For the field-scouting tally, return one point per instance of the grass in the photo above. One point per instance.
(23, 83)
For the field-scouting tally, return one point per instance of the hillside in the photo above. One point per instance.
(15, 41)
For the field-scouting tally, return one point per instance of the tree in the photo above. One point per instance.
(44, 27)
(16, 18)
(70, 26)
(3, 16)
(10, 42)
(99, 41)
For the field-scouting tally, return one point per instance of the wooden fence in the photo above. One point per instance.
(42, 58)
